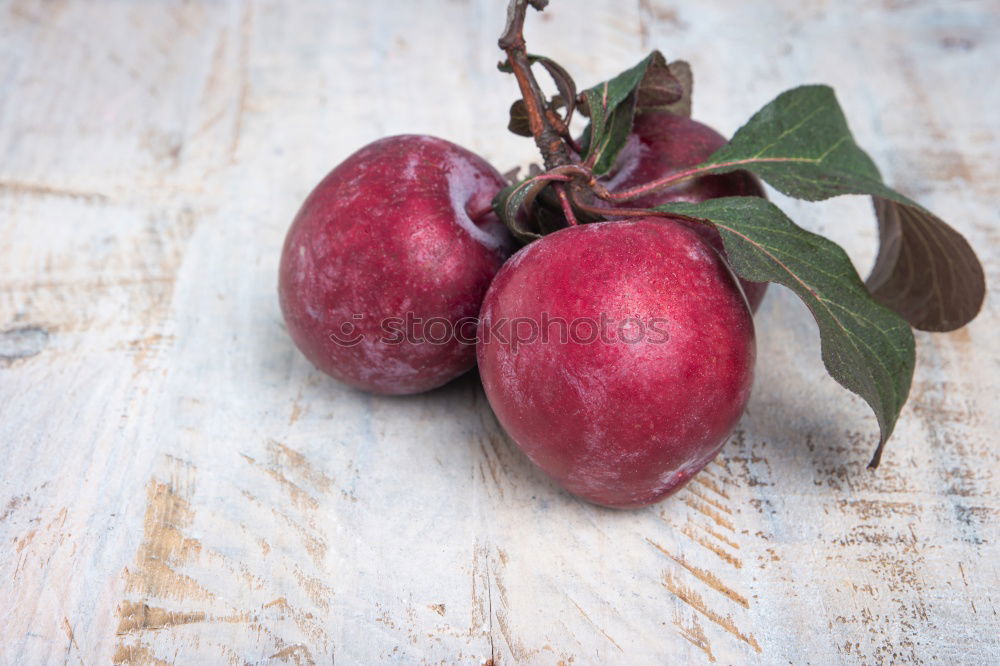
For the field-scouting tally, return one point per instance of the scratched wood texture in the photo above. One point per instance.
(179, 486)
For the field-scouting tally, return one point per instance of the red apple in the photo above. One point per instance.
(387, 262)
(662, 144)
(626, 419)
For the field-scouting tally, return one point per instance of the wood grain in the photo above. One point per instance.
(180, 486)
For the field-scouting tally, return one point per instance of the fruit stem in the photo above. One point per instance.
(552, 134)
(651, 186)
(477, 215)
(633, 212)
(566, 206)
(613, 212)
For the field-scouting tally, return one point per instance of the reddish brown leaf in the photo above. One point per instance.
(925, 270)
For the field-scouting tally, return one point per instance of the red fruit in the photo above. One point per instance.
(625, 421)
(662, 144)
(385, 248)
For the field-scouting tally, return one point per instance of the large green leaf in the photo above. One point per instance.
(866, 347)
(800, 143)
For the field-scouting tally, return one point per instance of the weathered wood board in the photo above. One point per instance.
(179, 486)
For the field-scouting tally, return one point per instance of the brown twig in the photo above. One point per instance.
(574, 144)
(581, 173)
(548, 139)
(567, 207)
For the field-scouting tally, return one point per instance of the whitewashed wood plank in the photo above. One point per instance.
(181, 487)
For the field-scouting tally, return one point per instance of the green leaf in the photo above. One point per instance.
(612, 104)
(800, 143)
(512, 205)
(866, 347)
(615, 134)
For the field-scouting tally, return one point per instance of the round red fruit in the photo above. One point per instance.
(663, 144)
(626, 417)
(384, 269)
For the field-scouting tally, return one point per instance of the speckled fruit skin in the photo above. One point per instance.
(387, 233)
(620, 423)
(662, 144)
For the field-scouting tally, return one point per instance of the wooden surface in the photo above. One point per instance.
(179, 485)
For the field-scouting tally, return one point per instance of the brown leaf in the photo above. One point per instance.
(925, 270)
(564, 84)
(682, 72)
(519, 119)
(659, 87)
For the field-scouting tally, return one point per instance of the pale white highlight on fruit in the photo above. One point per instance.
(681, 475)
(629, 158)
(701, 253)
(460, 176)
(302, 265)
(410, 170)
(383, 367)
